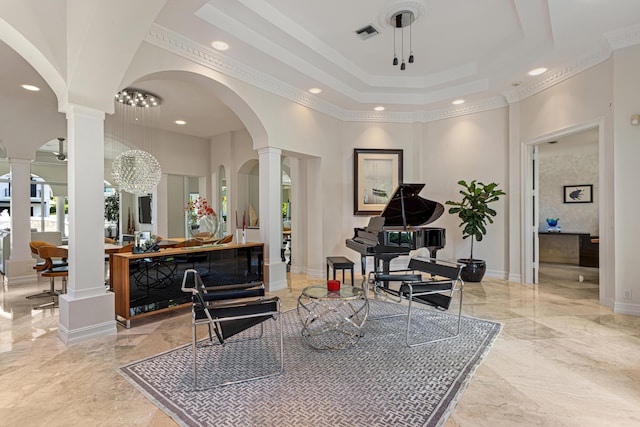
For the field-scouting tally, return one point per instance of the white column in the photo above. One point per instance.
(298, 206)
(270, 218)
(60, 215)
(87, 310)
(19, 268)
(316, 212)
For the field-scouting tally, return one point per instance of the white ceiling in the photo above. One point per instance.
(469, 49)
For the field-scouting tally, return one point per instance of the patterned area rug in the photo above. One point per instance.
(377, 382)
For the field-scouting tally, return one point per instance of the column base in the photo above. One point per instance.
(275, 276)
(19, 271)
(84, 319)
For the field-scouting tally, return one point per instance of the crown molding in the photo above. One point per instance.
(624, 37)
(424, 116)
(208, 57)
(559, 75)
(380, 117)
(465, 109)
(614, 40)
(171, 41)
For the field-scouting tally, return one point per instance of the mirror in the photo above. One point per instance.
(222, 200)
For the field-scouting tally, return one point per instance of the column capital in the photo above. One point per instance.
(80, 110)
(17, 161)
(269, 150)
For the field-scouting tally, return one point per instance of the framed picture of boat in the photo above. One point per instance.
(376, 174)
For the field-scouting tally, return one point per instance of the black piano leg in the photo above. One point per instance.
(363, 266)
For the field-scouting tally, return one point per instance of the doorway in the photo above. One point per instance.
(576, 154)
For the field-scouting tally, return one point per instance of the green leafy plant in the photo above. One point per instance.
(473, 210)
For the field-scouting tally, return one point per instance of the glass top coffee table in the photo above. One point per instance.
(332, 319)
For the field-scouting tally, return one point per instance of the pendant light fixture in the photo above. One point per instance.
(136, 171)
(399, 21)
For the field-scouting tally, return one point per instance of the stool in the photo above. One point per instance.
(339, 263)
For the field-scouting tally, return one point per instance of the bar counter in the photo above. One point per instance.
(148, 283)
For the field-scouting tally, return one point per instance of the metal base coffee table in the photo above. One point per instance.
(332, 319)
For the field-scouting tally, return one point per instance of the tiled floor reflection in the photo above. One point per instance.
(561, 359)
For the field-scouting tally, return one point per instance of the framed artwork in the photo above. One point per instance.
(376, 175)
(578, 193)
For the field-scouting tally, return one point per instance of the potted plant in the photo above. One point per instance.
(474, 212)
(112, 212)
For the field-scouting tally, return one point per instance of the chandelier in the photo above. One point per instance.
(137, 98)
(136, 171)
(399, 21)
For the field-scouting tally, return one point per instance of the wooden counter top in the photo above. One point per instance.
(187, 249)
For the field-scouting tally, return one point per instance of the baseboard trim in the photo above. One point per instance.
(87, 333)
(626, 308)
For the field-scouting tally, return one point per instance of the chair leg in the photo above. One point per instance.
(195, 369)
(39, 295)
(54, 301)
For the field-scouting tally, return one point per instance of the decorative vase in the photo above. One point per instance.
(244, 237)
(203, 228)
(474, 269)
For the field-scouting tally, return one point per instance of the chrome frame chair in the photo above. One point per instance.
(228, 310)
(427, 281)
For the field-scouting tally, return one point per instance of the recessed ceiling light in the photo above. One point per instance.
(379, 108)
(32, 88)
(315, 90)
(180, 122)
(458, 102)
(537, 71)
(218, 45)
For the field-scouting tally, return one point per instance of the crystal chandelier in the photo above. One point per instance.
(137, 98)
(136, 171)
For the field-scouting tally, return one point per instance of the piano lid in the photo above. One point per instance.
(417, 210)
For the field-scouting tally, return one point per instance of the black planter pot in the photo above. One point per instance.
(474, 269)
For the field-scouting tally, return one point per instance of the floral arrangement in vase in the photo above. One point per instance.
(202, 221)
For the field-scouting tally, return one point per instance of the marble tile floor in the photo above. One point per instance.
(560, 360)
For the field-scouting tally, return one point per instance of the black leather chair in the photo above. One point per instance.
(426, 281)
(227, 311)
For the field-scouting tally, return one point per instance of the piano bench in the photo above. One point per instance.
(339, 263)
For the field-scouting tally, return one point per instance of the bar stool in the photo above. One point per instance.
(49, 253)
(35, 245)
(339, 263)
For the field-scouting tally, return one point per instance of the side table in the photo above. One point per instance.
(332, 319)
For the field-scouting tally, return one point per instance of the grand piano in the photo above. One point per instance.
(399, 229)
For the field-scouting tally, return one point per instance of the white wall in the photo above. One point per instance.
(559, 167)
(627, 175)
(467, 148)
(583, 100)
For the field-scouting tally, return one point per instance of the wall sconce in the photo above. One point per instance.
(635, 120)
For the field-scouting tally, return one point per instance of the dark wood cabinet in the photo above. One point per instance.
(589, 251)
(569, 248)
(149, 283)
